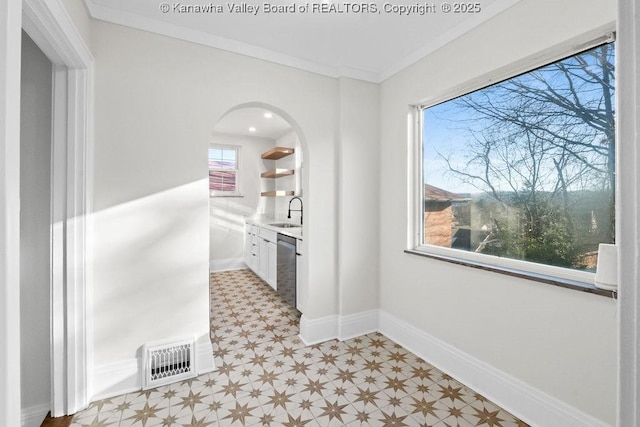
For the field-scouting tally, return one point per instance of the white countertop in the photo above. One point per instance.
(296, 232)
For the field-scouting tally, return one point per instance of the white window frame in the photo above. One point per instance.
(238, 190)
(533, 270)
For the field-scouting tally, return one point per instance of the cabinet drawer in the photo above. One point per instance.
(269, 235)
(251, 229)
(251, 239)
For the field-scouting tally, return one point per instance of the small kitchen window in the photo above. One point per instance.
(520, 175)
(224, 171)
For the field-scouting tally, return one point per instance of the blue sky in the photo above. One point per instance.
(442, 136)
(449, 127)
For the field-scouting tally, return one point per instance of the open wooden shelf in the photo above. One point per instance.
(276, 173)
(277, 153)
(277, 193)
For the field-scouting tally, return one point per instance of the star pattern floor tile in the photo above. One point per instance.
(266, 376)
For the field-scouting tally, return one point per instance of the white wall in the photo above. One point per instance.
(559, 341)
(157, 102)
(35, 223)
(359, 195)
(291, 182)
(228, 214)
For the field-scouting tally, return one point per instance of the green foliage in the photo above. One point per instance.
(537, 231)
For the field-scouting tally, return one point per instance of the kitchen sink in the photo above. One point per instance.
(285, 225)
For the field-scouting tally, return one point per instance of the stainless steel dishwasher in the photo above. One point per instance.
(286, 269)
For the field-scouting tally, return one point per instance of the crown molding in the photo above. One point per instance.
(139, 22)
(127, 19)
(488, 12)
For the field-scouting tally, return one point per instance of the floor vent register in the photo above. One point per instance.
(168, 362)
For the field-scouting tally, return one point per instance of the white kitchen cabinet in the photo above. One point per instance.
(263, 258)
(261, 253)
(250, 247)
(267, 261)
(268, 255)
(272, 265)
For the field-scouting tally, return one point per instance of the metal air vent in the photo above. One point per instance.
(168, 362)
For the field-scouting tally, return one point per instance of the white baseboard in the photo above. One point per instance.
(528, 403)
(313, 331)
(204, 355)
(355, 325)
(226, 264)
(34, 415)
(113, 379)
(524, 401)
(116, 378)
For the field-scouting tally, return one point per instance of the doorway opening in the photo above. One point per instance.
(69, 278)
(242, 182)
(268, 148)
(35, 231)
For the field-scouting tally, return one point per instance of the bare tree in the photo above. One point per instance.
(543, 135)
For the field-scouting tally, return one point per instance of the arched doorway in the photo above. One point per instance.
(239, 139)
(248, 184)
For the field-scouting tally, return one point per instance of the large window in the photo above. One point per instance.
(223, 171)
(524, 169)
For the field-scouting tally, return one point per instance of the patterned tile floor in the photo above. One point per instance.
(267, 377)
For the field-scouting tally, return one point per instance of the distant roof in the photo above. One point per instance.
(439, 195)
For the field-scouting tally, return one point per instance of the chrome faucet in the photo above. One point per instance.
(295, 210)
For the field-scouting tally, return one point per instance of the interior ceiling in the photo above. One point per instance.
(239, 121)
(365, 46)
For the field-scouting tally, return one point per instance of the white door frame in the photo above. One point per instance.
(50, 27)
(628, 217)
(10, 44)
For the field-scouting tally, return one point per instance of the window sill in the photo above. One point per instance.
(550, 280)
